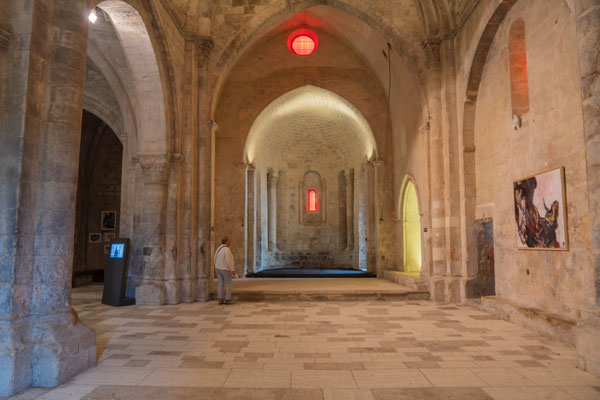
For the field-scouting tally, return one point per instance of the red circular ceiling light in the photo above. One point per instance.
(302, 42)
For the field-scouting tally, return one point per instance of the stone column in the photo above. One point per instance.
(250, 225)
(439, 267)
(342, 207)
(371, 212)
(272, 183)
(204, 164)
(175, 275)
(42, 98)
(149, 227)
(350, 208)
(588, 38)
(54, 326)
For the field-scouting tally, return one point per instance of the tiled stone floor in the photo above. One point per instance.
(353, 350)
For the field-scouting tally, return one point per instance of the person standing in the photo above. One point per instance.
(225, 270)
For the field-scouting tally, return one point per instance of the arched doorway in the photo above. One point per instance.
(411, 230)
(98, 198)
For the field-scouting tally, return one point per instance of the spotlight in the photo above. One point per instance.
(93, 17)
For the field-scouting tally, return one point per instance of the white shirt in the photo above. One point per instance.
(224, 258)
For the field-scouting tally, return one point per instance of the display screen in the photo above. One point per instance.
(117, 250)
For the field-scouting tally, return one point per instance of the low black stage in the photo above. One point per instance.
(311, 273)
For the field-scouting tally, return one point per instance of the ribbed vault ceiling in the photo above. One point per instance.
(310, 125)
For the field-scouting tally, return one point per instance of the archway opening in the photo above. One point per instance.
(306, 192)
(98, 199)
(411, 227)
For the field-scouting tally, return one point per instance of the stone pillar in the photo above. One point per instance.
(362, 228)
(371, 205)
(588, 38)
(439, 268)
(342, 207)
(204, 163)
(451, 167)
(272, 200)
(174, 274)
(350, 208)
(149, 227)
(250, 232)
(42, 97)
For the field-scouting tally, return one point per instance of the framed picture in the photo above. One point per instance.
(540, 211)
(94, 237)
(108, 220)
(108, 236)
(106, 248)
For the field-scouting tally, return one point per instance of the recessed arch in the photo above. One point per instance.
(300, 113)
(148, 99)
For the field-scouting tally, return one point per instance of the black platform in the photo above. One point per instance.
(312, 273)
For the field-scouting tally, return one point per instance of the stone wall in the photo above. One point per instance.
(550, 137)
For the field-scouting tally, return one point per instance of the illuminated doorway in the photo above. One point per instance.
(411, 228)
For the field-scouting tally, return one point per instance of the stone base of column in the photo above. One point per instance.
(150, 293)
(587, 343)
(202, 289)
(62, 348)
(54, 351)
(446, 288)
(186, 291)
(172, 292)
(15, 357)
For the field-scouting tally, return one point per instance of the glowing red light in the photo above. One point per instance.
(312, 201)
(302, 42)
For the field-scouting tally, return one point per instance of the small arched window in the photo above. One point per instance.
(517, 53)
(312, 200)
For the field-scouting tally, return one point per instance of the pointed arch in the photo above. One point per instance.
(409, 210)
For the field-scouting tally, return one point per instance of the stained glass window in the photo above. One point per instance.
(312, 200)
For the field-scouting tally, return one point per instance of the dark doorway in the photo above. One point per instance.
(484, 282)
(98, 198)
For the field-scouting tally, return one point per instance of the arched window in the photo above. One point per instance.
(517, 53)
(312, 200)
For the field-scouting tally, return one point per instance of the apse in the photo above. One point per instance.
(309, 150)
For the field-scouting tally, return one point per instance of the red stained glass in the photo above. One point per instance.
(312, 201)
(303, 45)
(302, 42)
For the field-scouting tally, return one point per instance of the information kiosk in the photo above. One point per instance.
(115, 274)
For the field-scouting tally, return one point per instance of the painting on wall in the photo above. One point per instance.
(540, 211)
(94, 237)
(108, 236)
(108, 220)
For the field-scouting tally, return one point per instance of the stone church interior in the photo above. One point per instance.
(411, 189)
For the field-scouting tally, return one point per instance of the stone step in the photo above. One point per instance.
(321, 290)
(406, 294)
(410, 280)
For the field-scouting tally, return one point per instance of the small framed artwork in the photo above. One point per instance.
(106, 248)
(108, 220)
(108, 236)
(94, 237)
(540, 211)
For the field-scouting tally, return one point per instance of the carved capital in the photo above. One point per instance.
(204, 46)
(154, 167)
(432, 52)
(4, 39)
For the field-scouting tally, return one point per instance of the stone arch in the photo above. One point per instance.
(410, 214)
(276, 15)
(149, 99)
(291, 106)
